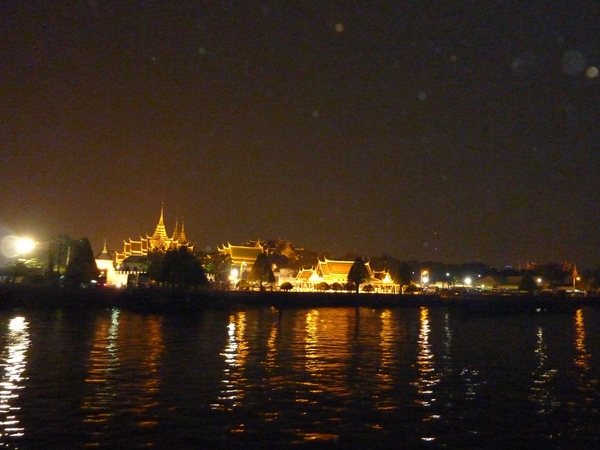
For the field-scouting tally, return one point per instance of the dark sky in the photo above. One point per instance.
(431, 130)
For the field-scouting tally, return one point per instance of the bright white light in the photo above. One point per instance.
(425, 280)
(13, 246)
(235, 273)
(25, 245)
(468, 280)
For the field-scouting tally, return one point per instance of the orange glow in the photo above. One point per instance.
(582, 357)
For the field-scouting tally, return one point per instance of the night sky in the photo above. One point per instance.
(429, 130)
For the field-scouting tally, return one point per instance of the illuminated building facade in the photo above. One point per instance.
(336, 272)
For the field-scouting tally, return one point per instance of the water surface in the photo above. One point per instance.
(323, 377)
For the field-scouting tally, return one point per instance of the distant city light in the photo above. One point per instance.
(468, 280)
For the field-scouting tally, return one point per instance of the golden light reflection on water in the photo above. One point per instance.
(390, 339)
(313, 361)
(270, 360)
(13, 361)
(124, 365)
(386, 345)
(428, 378)
(582, 357)
(235, 354)
(542, 376)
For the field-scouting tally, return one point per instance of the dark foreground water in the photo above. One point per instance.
(300, 378)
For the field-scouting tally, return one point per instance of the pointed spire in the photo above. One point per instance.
(104, 254)
(181, 238)
(160, 233)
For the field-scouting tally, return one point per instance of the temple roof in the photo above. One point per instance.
(242, 253)
(338, 268)
(304, 275)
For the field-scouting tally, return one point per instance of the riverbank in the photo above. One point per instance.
(152, 300)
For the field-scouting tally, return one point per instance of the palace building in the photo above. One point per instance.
(158, 242)
(242, 256)
(335, 273)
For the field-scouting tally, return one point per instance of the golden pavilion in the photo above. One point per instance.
(335, 272)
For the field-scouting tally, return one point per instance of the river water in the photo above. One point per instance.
(300, 378)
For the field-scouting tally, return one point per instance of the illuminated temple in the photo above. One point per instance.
(335, 272)
(158, 242)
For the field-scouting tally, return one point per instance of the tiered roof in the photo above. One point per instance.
(242, 253)
(159, 241)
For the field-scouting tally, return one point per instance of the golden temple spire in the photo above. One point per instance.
(160, 233)
(181, 238)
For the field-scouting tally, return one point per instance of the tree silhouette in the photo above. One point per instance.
(220, 268)
(180, 268)
(358, 273)
(527, 283)
(322, 286)
(404, 274)
(261, 271)
(286, 286)
(81, 268)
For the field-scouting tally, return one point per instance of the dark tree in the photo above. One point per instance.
(180, 268)
(18, 269)
(220, 268)
(322, 286)
(81, 268)
(368, 288)
(349, 286)
(527, 283)
(261, 271)
(155, 264)
(404, 275)
(337, 287)
(358, 273)
(58, 249)
(286, 286)
(554, 273)
(411, 288)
